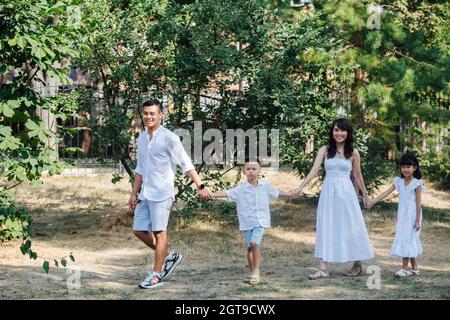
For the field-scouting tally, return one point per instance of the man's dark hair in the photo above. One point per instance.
(152, 102)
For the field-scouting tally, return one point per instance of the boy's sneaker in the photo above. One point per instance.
(170, 263)
(153, 280)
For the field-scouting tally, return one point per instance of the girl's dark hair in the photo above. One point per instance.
(410, 159)
(345, 125)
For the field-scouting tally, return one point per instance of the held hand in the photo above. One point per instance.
(370, 204)
(296, 193)
(366, 201)
(204, 194)
(417, 225)
(132, 203)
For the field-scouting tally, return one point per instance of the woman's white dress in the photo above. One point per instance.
(407, 240)
(341, 231)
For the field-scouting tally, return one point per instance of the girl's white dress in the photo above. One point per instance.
(341, 231)
(407, 240)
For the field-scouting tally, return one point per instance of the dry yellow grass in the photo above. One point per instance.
(88, 216)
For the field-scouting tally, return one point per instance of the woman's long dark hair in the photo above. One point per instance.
(410, 159)
(345, 125)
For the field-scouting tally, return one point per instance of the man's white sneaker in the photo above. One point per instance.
(153, 280)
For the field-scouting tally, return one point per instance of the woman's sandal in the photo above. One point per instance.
(319, 274)
(415, 272)
(353, 272)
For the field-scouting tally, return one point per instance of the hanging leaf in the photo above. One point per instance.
(46, 266)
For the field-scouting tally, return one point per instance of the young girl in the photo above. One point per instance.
(409, 215)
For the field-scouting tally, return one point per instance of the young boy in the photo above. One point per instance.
(252, 201)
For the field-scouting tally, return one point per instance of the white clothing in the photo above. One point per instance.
(157, 160)
(341, 231)
(407, 243)
(252, 203)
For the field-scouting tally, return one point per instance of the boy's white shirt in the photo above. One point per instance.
(253, 203)
(157, 162)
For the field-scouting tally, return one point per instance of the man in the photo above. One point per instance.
(159, 151)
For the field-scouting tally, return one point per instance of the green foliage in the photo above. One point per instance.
(33, 44)
(227, 208)
(214, 179)
(287, 72)
(375, 168)
(295, 70)
(400, 85)
(46, 266)
(15, 224)
(36, 38)
(116, 178)
(436, 167)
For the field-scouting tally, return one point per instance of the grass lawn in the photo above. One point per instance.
(88, 216)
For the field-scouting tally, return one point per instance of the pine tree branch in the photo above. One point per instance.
(396, 52)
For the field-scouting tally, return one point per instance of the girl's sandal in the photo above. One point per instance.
(353, 272)
(255, 279)
(319, 274)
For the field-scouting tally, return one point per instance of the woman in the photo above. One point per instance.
(341, 231)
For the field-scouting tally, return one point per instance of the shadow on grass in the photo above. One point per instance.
(215, 265)
(389, 210)
(66, 223)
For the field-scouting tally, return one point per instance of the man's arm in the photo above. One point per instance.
(202, 191)
(136, 187)
(180, 157)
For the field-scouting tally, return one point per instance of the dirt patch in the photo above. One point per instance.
(88, 216)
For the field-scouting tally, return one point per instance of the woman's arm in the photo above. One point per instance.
(356, 166)
(418, 208)
(313, 173)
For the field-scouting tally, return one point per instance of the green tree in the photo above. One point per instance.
(36, 37)
(402, 74)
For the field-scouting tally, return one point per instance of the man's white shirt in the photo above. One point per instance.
(252, 203)
(157, 161)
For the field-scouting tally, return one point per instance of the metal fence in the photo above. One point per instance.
(434, 136)
(92, 156)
